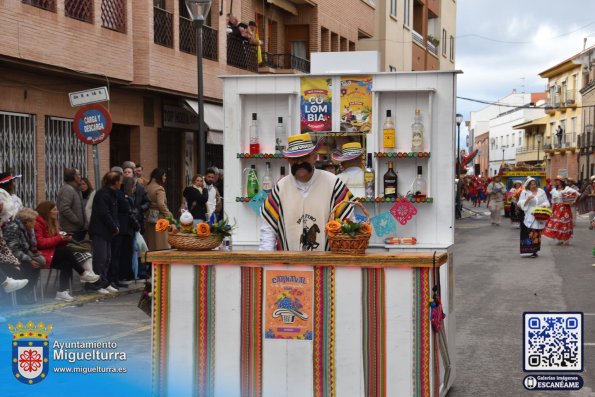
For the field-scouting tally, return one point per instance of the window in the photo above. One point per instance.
(49, 5)
(407, 7)
(520, 139)
(79, 9)
(513, 134)
(573, 129)
(452, 48)
(393, 8)
(113, 15)
(507, 137)
(444, 42)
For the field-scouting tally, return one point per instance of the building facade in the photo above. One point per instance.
(414, 34)
(145, 53)
(481, 161)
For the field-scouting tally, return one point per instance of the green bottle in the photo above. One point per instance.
(252, 184)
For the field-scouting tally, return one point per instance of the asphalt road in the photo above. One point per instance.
(494, 286)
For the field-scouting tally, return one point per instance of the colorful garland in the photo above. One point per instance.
(161, 280)
(421, 332)
(324, 332)
(251, 344)
(204, 377)
(374, 332)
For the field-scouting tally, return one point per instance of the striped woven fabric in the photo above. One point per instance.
(161, 278)
(204, 342)
(421, 332)
(324, 332)
(251, 345)
(374, 332)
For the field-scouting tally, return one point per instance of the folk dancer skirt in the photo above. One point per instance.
(516, 214)
(530, 240)
(560, 225)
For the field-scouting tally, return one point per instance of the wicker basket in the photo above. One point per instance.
(191, 242)
(342, 243)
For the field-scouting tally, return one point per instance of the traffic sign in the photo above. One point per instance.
(92, 124)
(86, 97)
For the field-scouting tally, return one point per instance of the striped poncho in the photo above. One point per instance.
(298, 218)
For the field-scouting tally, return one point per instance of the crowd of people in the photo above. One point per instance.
(99, 234)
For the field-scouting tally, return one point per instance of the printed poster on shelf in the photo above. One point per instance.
(288, 311)
(316, 105)
(356, 103)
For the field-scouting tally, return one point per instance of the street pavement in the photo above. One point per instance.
(494, 286)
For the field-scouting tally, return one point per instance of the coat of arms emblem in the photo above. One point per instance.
(30, 351)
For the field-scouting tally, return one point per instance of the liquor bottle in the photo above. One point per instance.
(369, 178)
(252, 183)
(267, 180)
(281, 173)
(254, 142)
(419, 184)
(388, 132)
(280, 136)
(417, 133)
(390, 182)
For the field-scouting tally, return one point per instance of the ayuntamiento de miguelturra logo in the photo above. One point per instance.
(30, 351)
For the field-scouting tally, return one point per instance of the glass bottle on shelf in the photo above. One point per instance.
(281, 173)
(419, 184)
(267, 180)
(252, 183)
(417, 133)
(388, 132)
(280, 136)
(390, 182)
(254, 142)
(369, 178)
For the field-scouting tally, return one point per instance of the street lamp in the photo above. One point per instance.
(538, 139)
(198, 10)
(458, 209)
(588, 130)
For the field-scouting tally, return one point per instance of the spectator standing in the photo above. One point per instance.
(121, 263)
(104, 223)
(214, 196)
(157, 210)
(255, 40)
(586, 202)
(196, 197)
(138, 173)
(53, 245)
(71, 205)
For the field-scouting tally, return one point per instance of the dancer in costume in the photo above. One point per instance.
(531, 198)
(559, 227)
(296, 211)
(516, 214)
(496, 192)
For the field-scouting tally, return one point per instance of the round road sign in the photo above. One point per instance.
(92, 124)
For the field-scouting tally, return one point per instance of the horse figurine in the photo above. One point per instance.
(308, 238)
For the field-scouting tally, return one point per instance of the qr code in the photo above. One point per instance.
(553, 342)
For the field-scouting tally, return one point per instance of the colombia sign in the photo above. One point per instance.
(92, 124)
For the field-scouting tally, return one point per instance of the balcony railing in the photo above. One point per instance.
(49, 5)
(417, 38)
(285, 61)
(564, 98)
(567, 140)
(79, 9)
(528, 149)
(188, 39)
(240, 54)
(432, 48)
(163, 22)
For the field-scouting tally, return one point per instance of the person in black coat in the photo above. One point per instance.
(196, 198)
(104, 223)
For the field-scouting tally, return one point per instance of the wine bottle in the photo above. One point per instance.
(390, 182)
(369, 178)
(267, 180)
(254, 142)
(417, 133)
(252, 183)
(388, 132)
(419, 184)
(280, 136)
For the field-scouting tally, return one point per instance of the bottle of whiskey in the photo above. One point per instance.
(388, 132)
(390, 182)
(254, 141)
(417, 133)
(419, 184)
(369, 178)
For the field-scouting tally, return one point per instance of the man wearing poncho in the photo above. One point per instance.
(295, 212)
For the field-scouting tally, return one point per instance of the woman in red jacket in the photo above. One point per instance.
(53, 245)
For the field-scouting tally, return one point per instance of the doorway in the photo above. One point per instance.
(297, 38)
(119, 144)
(170, 156)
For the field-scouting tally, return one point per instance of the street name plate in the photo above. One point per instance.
(94, 95)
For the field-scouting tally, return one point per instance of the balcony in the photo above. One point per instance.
(283, 63)
(567, 142)
(188, 39)
(241, 55)
(560, 101)
(417, 38)
(163, 25)
(529, 154)
(432, 48)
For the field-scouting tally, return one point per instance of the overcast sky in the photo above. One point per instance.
(521, 39)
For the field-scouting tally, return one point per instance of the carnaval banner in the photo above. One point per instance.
(356, 104)
(316, 112)
(288, 310)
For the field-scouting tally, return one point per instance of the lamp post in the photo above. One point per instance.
(588, 130)
(538, 139)
(458, 206)
(198, 10)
